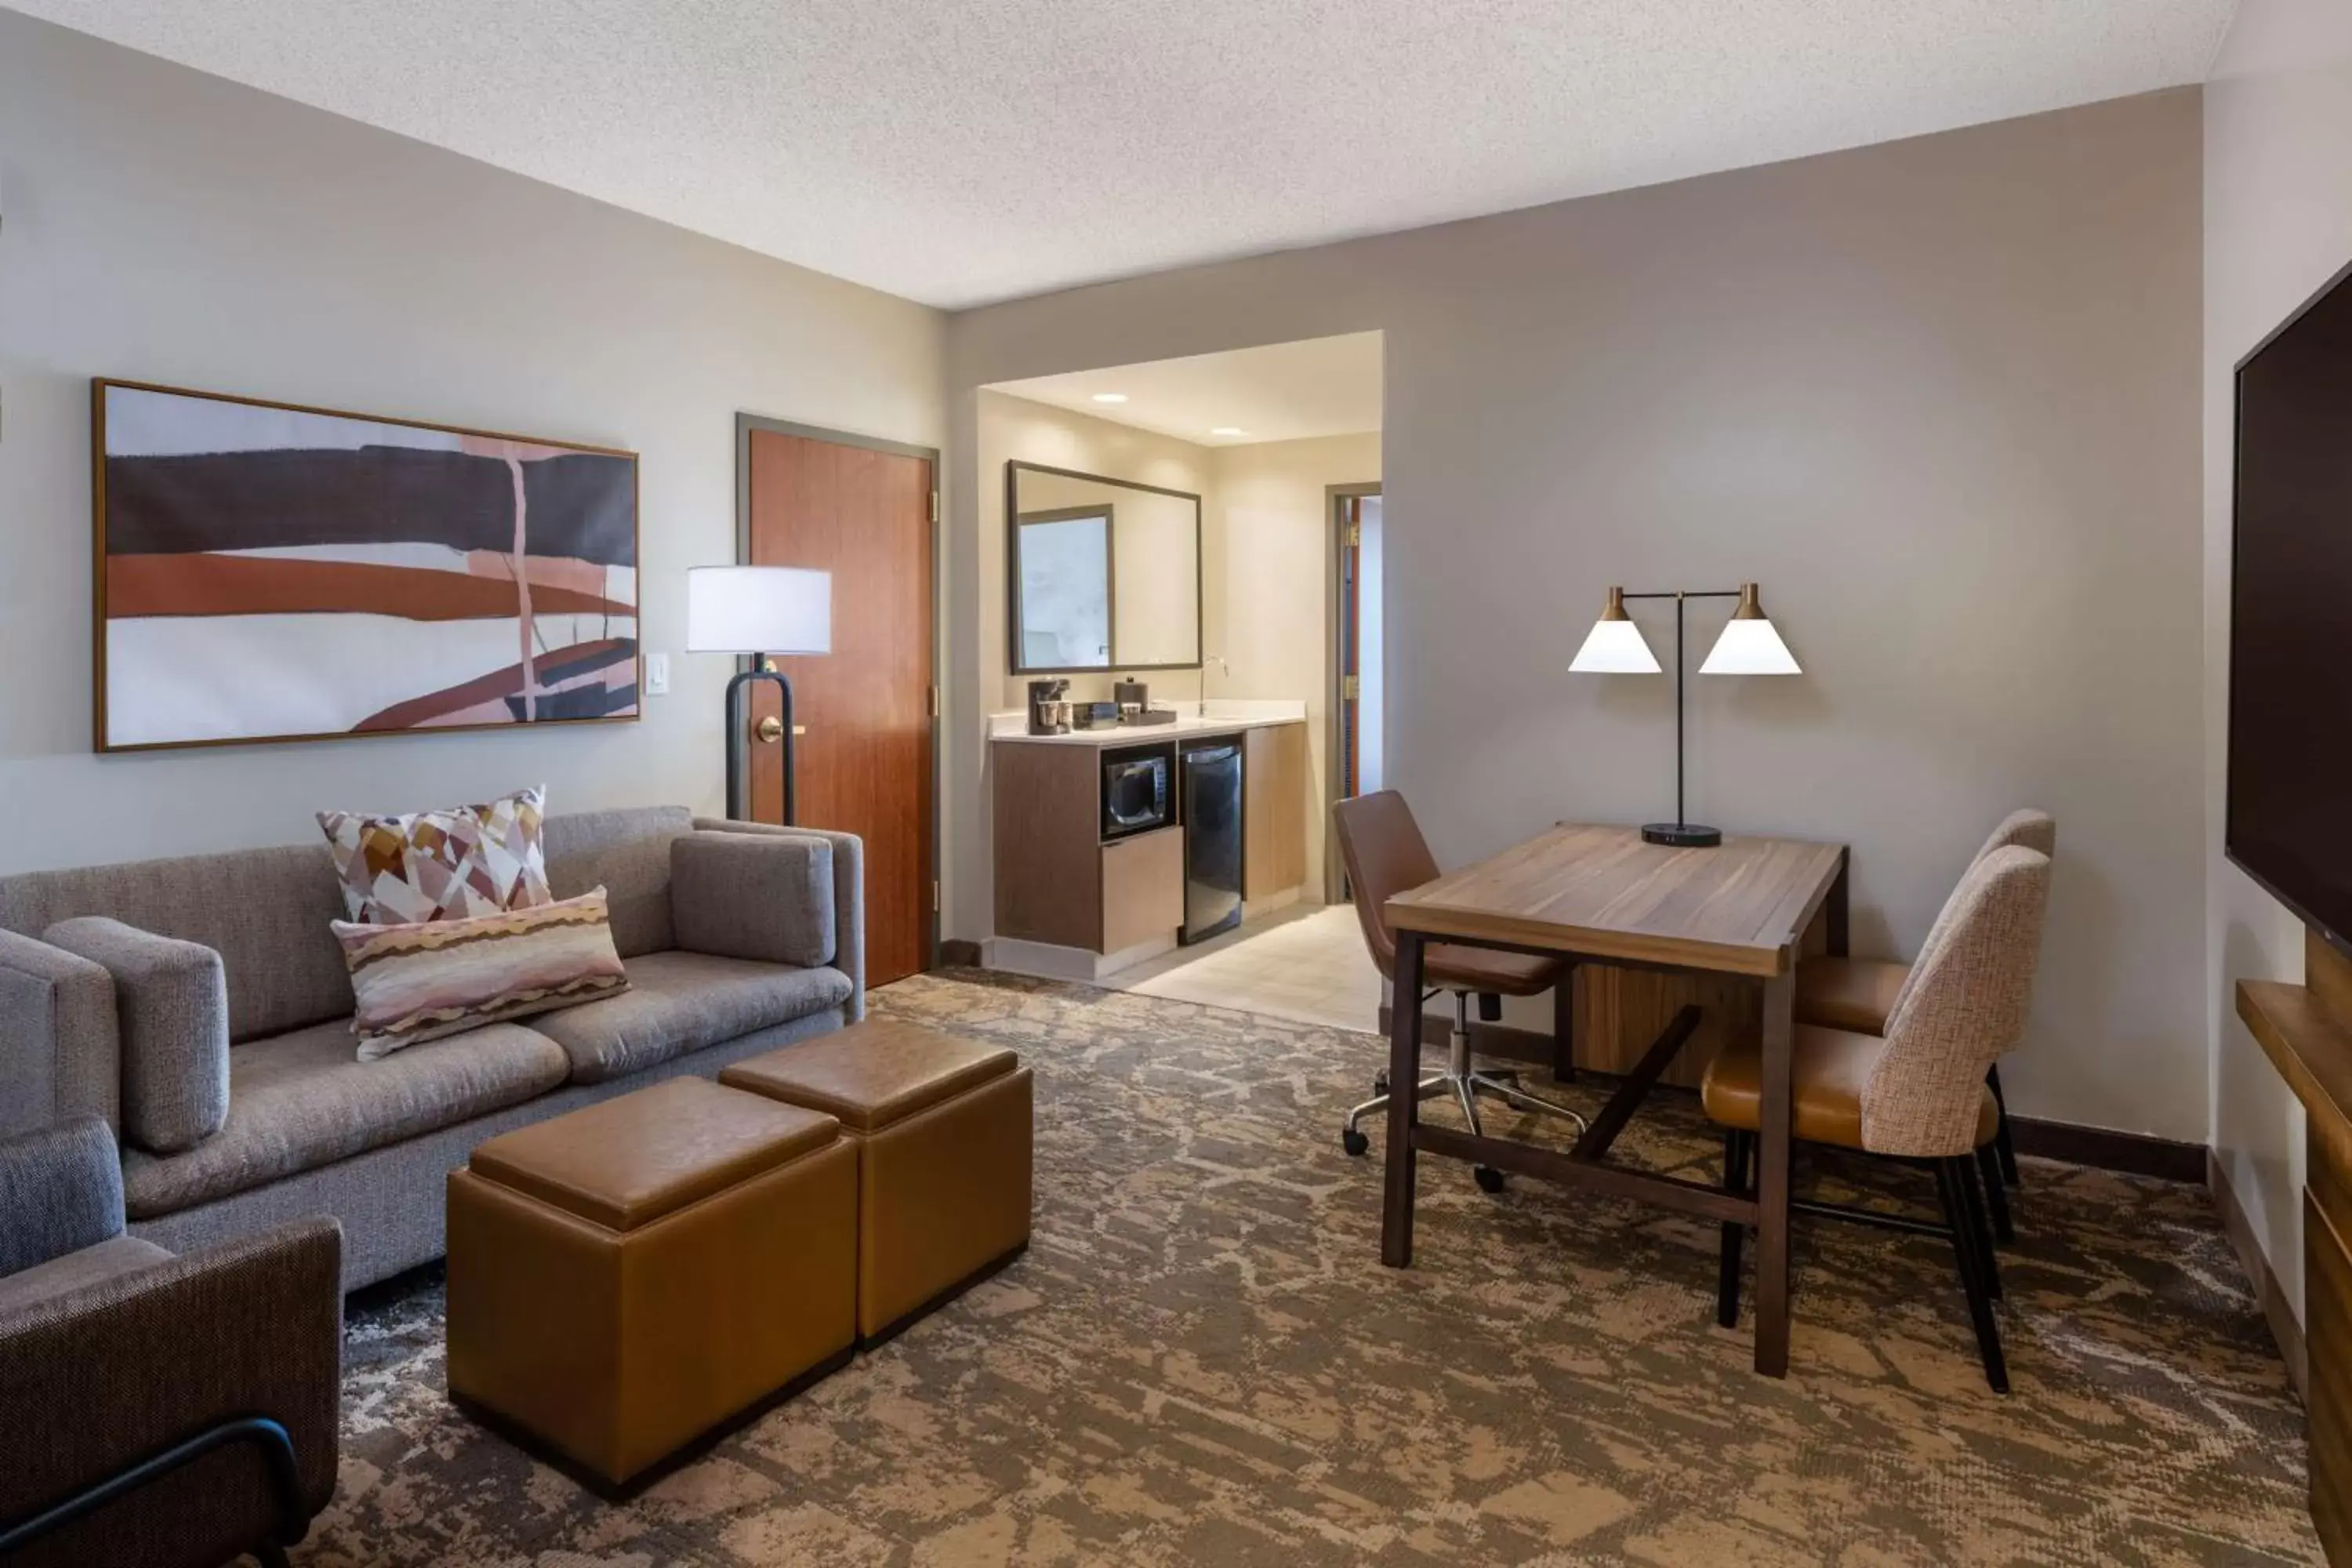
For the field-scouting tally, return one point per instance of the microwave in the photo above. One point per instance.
(1135, 796)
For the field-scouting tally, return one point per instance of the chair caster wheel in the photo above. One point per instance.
(1379, 1083)
(1489, 1179)
(1354, 1143)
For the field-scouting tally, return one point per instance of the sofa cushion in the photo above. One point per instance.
(304, 1099)
(170, 1004)
(627, 853)
(116, 1255)
(265, 912)
(436, 978)
(679, 1002)
(740, 895)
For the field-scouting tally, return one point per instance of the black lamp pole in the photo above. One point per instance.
(1681, 832)
(739, 740)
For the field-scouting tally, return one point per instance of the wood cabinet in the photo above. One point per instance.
(1142, 889)
(1058, 883)
(1274, 810)
(1048, 816)
(2306, 1031)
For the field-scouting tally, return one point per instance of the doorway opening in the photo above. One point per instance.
(1359, 736)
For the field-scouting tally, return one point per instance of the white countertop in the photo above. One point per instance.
(1223, 718)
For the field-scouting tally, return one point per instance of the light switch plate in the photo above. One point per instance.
(657, 675)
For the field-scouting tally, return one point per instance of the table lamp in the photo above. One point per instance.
(1748, 646)
(758, 611)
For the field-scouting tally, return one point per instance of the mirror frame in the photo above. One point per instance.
(1013, 469)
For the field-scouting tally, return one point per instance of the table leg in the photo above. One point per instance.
(1773, 1179)
(1837, 911)
(1563, 1027)
(1404, 1105)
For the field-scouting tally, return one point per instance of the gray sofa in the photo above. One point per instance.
(756, 940)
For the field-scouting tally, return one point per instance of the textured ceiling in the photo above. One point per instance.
(959, 152)
(1288, 391)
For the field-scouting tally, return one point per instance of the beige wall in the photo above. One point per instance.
(165, 225)
(1274, 538)
(1940, 396)
(2278, 223)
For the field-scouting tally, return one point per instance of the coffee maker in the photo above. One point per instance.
(1049, 711)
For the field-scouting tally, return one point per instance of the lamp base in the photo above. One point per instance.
(1680, 834)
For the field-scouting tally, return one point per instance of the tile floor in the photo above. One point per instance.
(1306, 963)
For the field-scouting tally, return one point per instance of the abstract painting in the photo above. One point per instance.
(271, 572)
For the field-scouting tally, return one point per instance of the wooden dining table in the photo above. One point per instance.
(1601, 895)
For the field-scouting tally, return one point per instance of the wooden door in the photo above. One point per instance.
(864, 757)
(1351, 651)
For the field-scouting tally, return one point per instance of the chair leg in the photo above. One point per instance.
(1735, 1180)
(1996, 1191)
(2001, 1138)
(1980, 1229)
(1953, 1178)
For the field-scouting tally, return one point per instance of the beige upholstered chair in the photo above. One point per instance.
(1385, 856)
(1917, 1092)
(1861, 994)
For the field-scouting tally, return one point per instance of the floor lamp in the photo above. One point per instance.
(759, 612)
(1748, 646)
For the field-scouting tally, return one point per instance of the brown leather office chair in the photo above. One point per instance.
(1860, 994)
(1385, 856)
(1917, 1093)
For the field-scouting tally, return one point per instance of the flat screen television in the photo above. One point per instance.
(2289, 817)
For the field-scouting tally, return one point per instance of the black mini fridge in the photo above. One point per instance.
(1212, 838)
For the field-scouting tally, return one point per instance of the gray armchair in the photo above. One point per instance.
(156, 1409)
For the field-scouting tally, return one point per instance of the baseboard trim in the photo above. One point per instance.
(2103, 1149)
(2129, 1153)
(2277, 1310)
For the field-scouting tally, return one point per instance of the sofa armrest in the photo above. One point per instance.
(60, 1191)
(95, 1380)
(740, 895)
(60, 1055)
(848, 896)
(170, 1004)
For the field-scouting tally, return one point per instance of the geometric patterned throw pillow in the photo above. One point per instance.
(446, 865)
(415, 983)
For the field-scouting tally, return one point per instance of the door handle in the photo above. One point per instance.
(772, 730)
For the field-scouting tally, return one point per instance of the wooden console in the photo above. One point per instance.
(2306, 1031)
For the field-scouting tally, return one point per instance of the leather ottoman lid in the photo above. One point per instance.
(875, 1073)
(639, 1157)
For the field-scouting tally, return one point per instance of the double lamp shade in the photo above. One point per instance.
(1748, 646)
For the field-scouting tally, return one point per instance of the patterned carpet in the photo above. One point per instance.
(1200, 1361)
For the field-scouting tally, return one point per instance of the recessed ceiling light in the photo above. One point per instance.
(1111, 398)
(1228, 430)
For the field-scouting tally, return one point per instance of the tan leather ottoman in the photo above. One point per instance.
(627, 1278)
(942, 1129)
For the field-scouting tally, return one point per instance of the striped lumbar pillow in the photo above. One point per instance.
(434, 978)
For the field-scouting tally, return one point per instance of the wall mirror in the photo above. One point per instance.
(1103, 575)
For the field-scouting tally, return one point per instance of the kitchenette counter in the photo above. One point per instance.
(1112, 846)
(1223, 718)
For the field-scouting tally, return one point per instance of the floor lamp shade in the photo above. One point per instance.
(758, 609)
